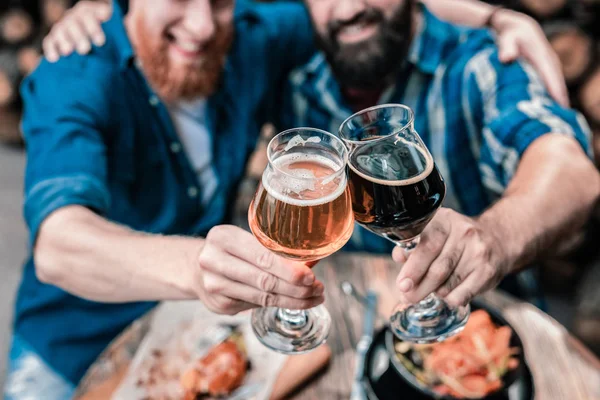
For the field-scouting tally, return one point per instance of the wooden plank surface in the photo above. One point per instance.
(562, 368)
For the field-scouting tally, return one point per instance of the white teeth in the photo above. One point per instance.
(353, 29)
(189, 46)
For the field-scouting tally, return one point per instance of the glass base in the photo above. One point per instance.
(429, 321)
(291, 331)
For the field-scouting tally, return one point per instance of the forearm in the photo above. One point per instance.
(90, 257)
(550, 197)
(461, 12)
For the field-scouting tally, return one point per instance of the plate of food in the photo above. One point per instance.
(485, 361)
(192, 354)
(220, 372)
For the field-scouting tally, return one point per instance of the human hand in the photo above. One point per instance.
(238, 273)
(77, 30)
(457, 257)
(519, 35)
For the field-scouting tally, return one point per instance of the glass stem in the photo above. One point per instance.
(293, 319)
(432, 301)
(409, 245)
(428, 302)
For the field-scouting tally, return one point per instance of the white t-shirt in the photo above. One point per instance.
(189, 119)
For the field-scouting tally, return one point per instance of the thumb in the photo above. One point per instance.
(399, 255)
(103, 12)
(508, 48)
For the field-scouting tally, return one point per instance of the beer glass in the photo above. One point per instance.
(302, 211)
(396, 190)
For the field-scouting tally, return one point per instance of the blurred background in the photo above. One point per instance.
(571, 282)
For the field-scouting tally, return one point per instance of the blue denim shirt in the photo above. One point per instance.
(98, 136)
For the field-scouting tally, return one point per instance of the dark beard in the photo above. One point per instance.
(174, 83)
(365, 65)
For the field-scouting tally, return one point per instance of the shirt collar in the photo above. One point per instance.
(116, 32)
(433, 40)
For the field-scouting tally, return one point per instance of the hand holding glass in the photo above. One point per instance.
(396, 190)
(301, 211)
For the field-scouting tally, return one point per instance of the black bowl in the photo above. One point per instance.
(386, 377)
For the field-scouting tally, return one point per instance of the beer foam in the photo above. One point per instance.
(402, 182)
(298, 141)
(299, 180)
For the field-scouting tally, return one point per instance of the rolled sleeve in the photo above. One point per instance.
(51, 194)
(517, 110)
(66, 152)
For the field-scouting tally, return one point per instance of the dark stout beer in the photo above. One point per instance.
(395, 187)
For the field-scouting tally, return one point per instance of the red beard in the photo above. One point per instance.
(174, 83)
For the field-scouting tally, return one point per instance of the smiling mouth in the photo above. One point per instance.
(356, 32)
(188, 47)
(185, 48)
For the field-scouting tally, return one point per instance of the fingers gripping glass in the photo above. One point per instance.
(396, 190)
(301, 211)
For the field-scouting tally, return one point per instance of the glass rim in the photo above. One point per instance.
(374, 108)
(344, 156)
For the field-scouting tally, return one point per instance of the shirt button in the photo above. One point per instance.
(192, 191)
(175, 147)
(153, 101)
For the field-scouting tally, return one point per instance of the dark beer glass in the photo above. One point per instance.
(396, 190)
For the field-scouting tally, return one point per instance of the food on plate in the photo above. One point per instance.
(469, 365)
(219, 372)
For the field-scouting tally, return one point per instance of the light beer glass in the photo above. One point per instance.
(301, 211)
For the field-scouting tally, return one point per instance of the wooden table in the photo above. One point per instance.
(562, 367)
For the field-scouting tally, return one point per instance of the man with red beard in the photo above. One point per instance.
(128, 147)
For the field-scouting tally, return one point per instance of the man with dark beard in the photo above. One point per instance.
(518, 177)
(150, 134)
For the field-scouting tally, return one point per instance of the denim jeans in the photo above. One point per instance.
(30, 378)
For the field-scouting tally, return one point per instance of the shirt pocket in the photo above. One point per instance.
(120, 157)
(132, 163)
(121, 167)
(137, 186)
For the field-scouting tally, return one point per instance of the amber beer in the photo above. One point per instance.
(396, 190)
(298, 211)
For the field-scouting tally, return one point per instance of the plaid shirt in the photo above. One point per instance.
(476, 115)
